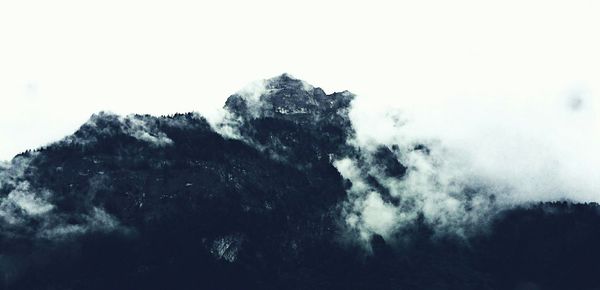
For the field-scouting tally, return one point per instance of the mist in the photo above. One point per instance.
(473, 157)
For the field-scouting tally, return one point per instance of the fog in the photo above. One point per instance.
(507, 153)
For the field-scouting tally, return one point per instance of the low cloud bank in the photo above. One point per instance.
(469, 159)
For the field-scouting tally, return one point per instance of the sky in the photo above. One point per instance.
(462, 69)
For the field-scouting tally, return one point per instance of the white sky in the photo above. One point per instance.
(61, 61)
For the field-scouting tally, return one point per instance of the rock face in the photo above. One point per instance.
(143, 202)
(287, 98)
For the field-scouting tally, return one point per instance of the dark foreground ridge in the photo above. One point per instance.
(143, 202)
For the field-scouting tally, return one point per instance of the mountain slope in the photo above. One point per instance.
(143, 202)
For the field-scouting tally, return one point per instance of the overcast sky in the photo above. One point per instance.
(61, 61)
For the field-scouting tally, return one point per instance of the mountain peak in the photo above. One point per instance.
(286, 97)
(287, 81)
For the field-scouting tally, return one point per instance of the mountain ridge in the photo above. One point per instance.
(144, 202)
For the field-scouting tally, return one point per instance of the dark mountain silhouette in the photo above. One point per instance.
(144, 202)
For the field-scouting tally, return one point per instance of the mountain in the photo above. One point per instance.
(172, 202)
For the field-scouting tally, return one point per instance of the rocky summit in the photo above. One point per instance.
(171, 202)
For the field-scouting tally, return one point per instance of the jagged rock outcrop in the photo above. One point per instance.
(287, 98)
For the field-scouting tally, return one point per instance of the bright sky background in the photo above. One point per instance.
(61, 61)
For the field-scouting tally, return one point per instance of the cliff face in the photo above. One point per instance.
(143, 202)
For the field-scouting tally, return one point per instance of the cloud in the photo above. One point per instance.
(430, 189)
(96, 220)
(225, 123)
(251, 95)
(22, 203)
(253, 101)
(22, 198)
(482, 155)
(377, 216)
(30, 220)
(141, 127)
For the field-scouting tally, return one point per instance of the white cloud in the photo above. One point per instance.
(24, 203)
(27, 201)
(97, 220)
(20, 201)
(378, 216)
(139, 128)
(509, 153)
